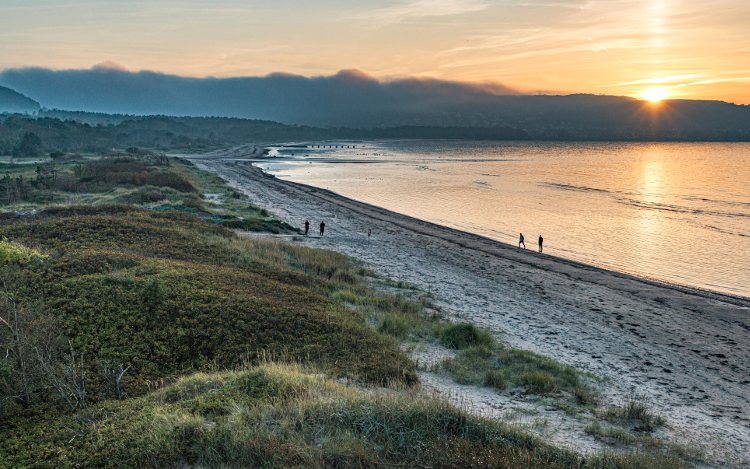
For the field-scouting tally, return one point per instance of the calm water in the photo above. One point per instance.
(678, 212)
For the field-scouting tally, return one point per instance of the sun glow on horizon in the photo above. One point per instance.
(655, 95)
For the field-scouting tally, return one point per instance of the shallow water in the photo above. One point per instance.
(677, 212)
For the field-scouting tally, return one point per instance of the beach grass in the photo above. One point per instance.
(282, 415)
(646, 443)
(463, 335)
(141, 330)
(498, 366)
(635, 412)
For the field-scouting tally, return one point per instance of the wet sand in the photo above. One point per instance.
(687, 351)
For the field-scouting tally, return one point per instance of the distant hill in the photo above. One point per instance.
(14, 102)
(354, 100)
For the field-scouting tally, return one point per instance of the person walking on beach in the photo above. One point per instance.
(520, 241)
(307, 227)
(541, 241)
(322, 227)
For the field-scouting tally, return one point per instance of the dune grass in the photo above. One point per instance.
(483, 361)
(131, 264)
(463, 335)
(644, 442)
(275, 415)
(480, 359)
(636, 413)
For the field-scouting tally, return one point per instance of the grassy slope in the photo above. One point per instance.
(158, 284)
(285, 416)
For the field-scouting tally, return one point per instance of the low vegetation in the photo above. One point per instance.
(138, 329)
(502, 367)
(461, 336)
(646, 443)
(16, 253)
(274, 415)
(635, 413)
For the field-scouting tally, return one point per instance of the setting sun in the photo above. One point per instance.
(655, 95)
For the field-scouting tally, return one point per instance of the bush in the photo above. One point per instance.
(107, 173)
(15, 253)
(461, 336)
(150, 194)
(254, 225)
(36, 367)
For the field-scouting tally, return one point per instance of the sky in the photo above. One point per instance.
(693, 49)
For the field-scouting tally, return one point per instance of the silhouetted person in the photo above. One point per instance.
(307, 226)
(541, 241)
(322, 227)
(369, 233)
(520, 241)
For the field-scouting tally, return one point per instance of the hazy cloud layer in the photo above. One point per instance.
(350, 97)
(354, 99)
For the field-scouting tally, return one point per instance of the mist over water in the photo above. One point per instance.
(676, 212)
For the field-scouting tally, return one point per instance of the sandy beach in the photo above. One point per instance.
(686, 351)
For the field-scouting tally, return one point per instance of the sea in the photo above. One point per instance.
(673, 212)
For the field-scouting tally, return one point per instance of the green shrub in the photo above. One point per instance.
(285, 416)
(396, 325)
(255, 224)
(463, 335)
(495, 379)
(15, 253)
(470, 365)
(538, 382)
(151, 194)
(107, 173)
(484, 365)
(349, 296)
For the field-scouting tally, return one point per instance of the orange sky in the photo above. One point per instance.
(685, 48)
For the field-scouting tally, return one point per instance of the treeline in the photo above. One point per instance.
(25, 136)
(22, 136)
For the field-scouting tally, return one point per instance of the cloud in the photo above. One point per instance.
(683, 81)
(424, 8)
(349, 97)
(109, 65)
